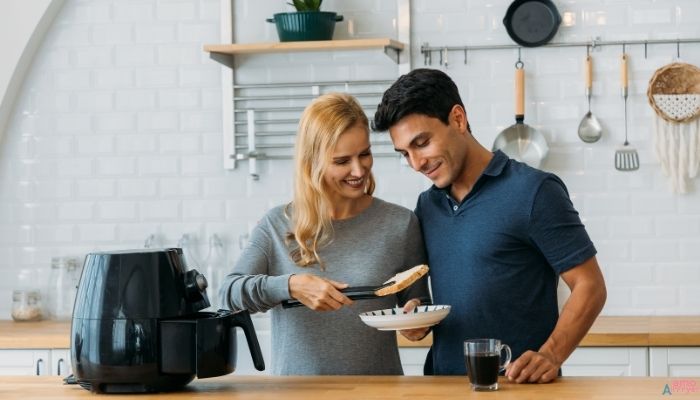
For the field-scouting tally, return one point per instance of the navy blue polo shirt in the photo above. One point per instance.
(496, 258)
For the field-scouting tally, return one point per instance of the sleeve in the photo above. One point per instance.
(249, 286)
(556, 229)
(414, 254)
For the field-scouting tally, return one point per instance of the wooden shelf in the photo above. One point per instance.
(283, 47)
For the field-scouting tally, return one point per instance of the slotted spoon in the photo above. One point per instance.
(626, 157)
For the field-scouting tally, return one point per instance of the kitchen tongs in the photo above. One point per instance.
(395, 284)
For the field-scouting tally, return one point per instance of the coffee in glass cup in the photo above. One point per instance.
(483, 360)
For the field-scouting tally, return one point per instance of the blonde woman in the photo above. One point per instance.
(333, 234)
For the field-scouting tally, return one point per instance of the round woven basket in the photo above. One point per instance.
(674, 92)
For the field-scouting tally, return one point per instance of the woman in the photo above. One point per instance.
(333, 234)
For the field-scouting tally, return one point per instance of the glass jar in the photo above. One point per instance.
(26, 305)
(63, 286)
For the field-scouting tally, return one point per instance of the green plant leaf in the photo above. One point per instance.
(306, 5)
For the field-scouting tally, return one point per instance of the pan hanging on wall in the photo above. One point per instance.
(532, 23)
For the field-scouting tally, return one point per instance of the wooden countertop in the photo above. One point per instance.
(368, 388)
(34, 335)
(627, 331)
(607, 331)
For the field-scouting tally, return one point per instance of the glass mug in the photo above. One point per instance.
(483, 360)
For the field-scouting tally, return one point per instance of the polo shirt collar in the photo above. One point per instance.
(494, 168)
(497, 163)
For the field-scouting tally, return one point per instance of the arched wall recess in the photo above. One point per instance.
(23, 25)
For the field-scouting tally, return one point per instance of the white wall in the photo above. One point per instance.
(116, 134)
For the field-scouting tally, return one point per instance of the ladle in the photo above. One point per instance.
(589, 130)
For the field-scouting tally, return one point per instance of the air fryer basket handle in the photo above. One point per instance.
(242, 319)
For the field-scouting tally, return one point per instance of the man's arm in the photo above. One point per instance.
(587, 298)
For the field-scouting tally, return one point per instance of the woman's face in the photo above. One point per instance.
(350, 164)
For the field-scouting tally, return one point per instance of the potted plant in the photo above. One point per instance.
(307, 23)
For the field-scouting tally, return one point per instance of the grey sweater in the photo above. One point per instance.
(366, 250)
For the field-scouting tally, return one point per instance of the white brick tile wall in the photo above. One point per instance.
(112, 34)
(95, 188)
(75, 211)
(97, 233)
(110, 78)
(157, 121)
(116, 166)
(95, 144)
(154, 33)
(158, 165)
(133, 12)
(116, 133)
(117, 210)
(180, 187)
(162, 77)
(137, 188)
(160, 210)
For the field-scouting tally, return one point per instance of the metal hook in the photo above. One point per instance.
(588, 50)
(444, 49)
(519, 64)
(440, 51)
(465, 56)
(678, 49)
(623, 47)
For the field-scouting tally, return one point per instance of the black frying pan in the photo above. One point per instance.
(532, 23)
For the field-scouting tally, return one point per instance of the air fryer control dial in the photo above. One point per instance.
(195, 284)
(201, 282)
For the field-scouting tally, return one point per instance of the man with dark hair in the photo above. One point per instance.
(498, 234)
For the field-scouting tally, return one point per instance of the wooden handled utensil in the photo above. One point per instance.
(395, 284)
(626, 157)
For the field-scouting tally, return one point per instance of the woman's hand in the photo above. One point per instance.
(416, 334)
(317, 293)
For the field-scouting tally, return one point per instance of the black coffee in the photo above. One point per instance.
(482, 368)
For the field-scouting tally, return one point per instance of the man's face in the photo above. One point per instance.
(432, 148)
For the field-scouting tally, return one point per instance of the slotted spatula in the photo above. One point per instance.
(626, 157)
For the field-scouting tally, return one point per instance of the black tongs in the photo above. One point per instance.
(353, 293)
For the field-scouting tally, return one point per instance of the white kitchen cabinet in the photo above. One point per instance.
(35, 362)
(674, 361)
(412, 359)
(607, 361)
(60, 362)
(25, 362)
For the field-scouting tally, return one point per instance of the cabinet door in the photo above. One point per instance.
(60, 362)
(25, 362)
(607, 361)
(674, 361)
(412, 359)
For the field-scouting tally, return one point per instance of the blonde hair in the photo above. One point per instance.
(321, 124)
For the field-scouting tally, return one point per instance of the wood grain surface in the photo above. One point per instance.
(610, 331)
(233, 387)
(606, 332)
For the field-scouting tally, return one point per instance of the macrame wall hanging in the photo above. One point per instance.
(674, 94)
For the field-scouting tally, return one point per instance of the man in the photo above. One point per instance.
(498, 235)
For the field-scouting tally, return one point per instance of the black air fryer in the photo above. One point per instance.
(137, 325)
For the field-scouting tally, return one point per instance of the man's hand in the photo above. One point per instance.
(417, 334)
(317, 293)
(533, 367)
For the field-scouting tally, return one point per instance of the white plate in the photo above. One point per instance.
(392, 319)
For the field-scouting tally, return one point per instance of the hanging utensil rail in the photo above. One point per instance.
(427, 50)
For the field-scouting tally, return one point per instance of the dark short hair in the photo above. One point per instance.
(430, 92)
